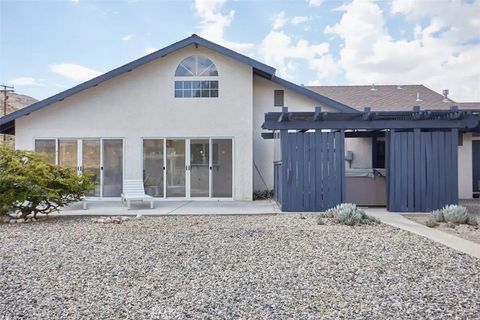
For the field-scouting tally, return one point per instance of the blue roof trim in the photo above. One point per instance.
(193, 39)
(316, 96)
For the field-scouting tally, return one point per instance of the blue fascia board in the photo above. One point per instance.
(315, 96)
(193, 39)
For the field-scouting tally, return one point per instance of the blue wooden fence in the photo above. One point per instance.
(311, 175)
(422, 169)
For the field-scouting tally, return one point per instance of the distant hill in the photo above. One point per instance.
(15, 102)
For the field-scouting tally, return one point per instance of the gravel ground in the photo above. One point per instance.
(473, 205)
(250, 267)
(464, 231)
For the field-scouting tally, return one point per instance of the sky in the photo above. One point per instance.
(49, 46)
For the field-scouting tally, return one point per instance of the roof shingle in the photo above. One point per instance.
(389, 97)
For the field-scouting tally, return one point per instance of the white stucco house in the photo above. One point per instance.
(186, 119)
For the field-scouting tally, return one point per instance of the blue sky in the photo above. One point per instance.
(49, 46)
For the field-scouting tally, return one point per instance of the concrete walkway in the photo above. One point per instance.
(449, 240)
(115, 208)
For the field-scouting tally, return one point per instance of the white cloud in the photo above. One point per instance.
(150, 50)
(315, 3)
(300, 19)
(278, 49)
(74, 72)
(127, 37)
(75, 1)
(438, 56)
(279, 20)
(213, 23)
(27, 81)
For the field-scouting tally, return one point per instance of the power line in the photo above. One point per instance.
(6, 90)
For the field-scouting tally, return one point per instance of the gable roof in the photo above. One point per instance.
(389, 97)
(258, 67)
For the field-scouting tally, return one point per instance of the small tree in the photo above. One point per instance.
(31, 185)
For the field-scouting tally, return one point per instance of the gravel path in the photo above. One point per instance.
(250, 267)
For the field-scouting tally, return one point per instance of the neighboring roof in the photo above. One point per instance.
(469, 105)
(258, 67)
(388, 97)
(314, 95)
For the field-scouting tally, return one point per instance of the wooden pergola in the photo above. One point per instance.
(421, 155)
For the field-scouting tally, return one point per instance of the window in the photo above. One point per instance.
(278, 98)
(47, 147)
(378, 153)
(196, 77)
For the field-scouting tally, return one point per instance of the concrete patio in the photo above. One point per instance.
(110, 208)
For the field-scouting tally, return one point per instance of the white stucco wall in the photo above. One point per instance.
(465, 168)
(141, 104)
(263, 102)
(362, 152)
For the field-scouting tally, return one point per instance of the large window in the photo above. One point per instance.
(196, 77)
(47, 147)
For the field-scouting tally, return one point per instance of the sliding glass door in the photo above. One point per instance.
(91, 163)
(176, 168)
(222, 168)
(188, 168)
(153, 166)
(112, 167)
(199, 168)
(101, 158)
(67, 153)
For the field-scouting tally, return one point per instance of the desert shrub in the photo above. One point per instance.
(431, 223)
(472, 220)
(437, 216)
(31, 185)
(455, 214)
(348, 214)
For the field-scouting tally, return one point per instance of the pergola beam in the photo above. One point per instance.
(368, 120)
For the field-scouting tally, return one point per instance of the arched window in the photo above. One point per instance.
(196, 77)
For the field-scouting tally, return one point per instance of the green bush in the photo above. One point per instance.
(348, 214)
(30, 185)
(437, 216)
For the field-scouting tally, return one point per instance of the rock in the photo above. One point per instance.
(5, 219)
(12, 221)
(139, 216)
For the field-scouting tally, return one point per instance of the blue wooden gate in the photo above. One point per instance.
(312, 170)
(422, 172)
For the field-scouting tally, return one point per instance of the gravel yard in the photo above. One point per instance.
(464, 231)
(247, 267)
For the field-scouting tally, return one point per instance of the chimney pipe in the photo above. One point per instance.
(445, 96)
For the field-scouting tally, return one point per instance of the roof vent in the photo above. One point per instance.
(399, 87)
(418, 97)
(445, 96)
(373, 87)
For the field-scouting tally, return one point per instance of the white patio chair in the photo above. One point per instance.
(133, 190)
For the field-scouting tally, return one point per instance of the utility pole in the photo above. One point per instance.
(6, 90)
